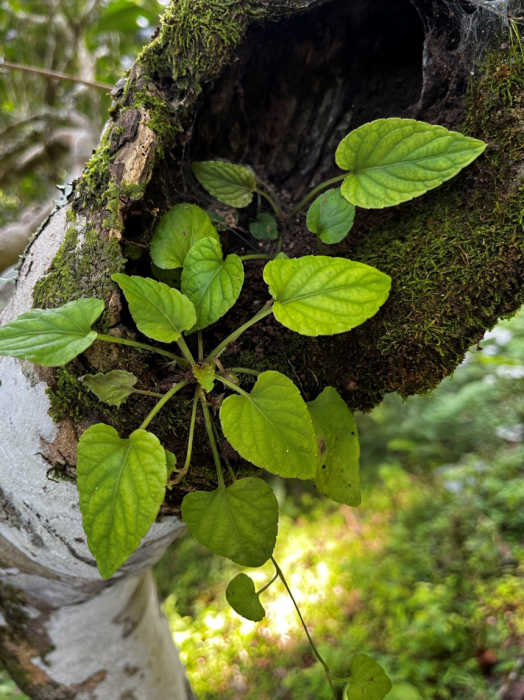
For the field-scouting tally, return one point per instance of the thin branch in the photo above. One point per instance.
(54, 74)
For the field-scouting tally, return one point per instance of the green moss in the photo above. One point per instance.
(455, 256)
(70, 399)
(114, 195)
(80, 272)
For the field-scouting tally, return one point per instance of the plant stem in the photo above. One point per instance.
(191, 431)
(268, 584)
(165, 398)
(313, 647)
(315, 191)
(55, 74)
(265, 311)
(186, 352)
(148, 393)
(142, 346)
(244, 370)
(232, 385)
(200, 346)
(257, 256)
(214, 448)
(274, 205)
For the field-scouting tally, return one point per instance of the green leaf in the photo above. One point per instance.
(170, 461)
(394, 160)
(231, 184)
(52, 337)
(169, 277)
(205, 376)
(331, 217)
(271, 427)
(338, 449)
(122, 486)
(264, 228)
(239, 522)
(368, 679)
(177, 232)
(113, 387)
(320, 295)
(160, 312)
(242, 597)
(212, 284)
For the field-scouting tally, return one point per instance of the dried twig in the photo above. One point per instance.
(54, 74)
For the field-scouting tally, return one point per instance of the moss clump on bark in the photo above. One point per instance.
(456, 256)
(80, 270)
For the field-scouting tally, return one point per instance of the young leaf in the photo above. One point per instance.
(239, 522)
(264, 228)
(338, 449)
(177, 231)
(113, 387)
(170, 461)
(211, 283)
(169, 277)
(52, 337)
(271, 427)
(231, 184)
(160, 312)
(242, 596)
(205, 376)
(319, 295)
(368, 679)
(122, 486)
(394, 160)
(331, 217)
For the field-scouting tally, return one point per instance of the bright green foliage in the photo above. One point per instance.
(243, 598)
(239, 522)
(170, 461)
(319, 295)
(52, 337)
(231, 184)
(271, 427)
(205, 376)
(264, 228)
(331, 216)
(160, 312)
(112, 387)
(368, 679)
(338, 474)
(211, 283)
(177, 231)
(122, 486)
(394, 160)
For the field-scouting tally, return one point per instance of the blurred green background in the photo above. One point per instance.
(427, 575)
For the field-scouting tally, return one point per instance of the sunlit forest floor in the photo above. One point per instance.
(427, 575)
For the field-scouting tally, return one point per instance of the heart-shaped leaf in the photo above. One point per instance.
(112, 387)
(271, 427)
(52, 337)
(264, 228)
(368, 679)
(319, 295)
(394, 160)
(331, 217)
(243, 598)
(205, 376)
(338, 474)
(177, 232)
(122, 485)
(159, 311)
(230, 184)
(212, 284)
(239, 522)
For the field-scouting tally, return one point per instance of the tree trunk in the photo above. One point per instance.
(226, 80)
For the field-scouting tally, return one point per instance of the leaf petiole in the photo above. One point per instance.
(312, 644)
(272, 202)
(189, 452)
(214, 447)
(155, 394)
(315, 191)
(165, 398)
(200, 346)
(244, 370)
(268, 584)
(256, 256)
(265, 311)
(186, 352)
(141, 346)
(232, 385)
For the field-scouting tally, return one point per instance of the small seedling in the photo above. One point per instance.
(122, 482)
